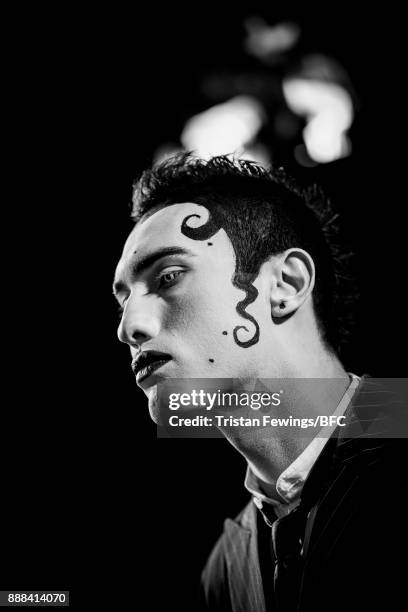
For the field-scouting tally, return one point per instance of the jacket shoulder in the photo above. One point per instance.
(215, 578)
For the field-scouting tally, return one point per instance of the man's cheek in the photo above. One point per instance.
(189, 314)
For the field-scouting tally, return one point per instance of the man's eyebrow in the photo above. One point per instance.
(138, 266)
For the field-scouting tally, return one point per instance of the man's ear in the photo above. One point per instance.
(292, 281)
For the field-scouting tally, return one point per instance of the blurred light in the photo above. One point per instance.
(224, 128)
(302, 157)
(264, 40)
(256, 152)
(328, 110)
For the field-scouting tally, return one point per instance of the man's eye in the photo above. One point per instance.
(169, 278)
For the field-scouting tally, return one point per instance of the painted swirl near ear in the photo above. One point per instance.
(242, 279)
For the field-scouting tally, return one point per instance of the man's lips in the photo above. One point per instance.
(148, 362)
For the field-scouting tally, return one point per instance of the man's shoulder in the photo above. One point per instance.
(377, 423)
(245, 519)
(380, 397)
(245, 522)
(232, 567)
(235, 530)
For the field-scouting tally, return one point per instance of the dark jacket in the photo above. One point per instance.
(354, 538)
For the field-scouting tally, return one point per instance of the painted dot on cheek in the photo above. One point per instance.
(211, 360)
(209, 243)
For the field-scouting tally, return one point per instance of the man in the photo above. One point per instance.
(227, 274)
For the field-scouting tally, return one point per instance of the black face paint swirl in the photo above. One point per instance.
(242, 279)
(203, 232)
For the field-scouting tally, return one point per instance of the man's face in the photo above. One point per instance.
(179, 306)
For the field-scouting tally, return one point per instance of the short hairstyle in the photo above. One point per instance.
(264, 212)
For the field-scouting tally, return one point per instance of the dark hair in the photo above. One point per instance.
(264, 213)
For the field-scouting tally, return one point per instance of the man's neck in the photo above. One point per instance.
(308, 395)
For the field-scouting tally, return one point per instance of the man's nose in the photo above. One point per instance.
(140, 321)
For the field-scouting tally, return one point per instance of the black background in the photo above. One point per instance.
(90, 500)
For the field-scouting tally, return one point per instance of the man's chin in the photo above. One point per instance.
(156, 414)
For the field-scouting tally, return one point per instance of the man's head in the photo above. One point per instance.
(227, 272)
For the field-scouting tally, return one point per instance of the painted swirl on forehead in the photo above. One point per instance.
(241, 279)
(202, 232)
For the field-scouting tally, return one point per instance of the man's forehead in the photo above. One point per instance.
(161, 233)
(162, 228)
